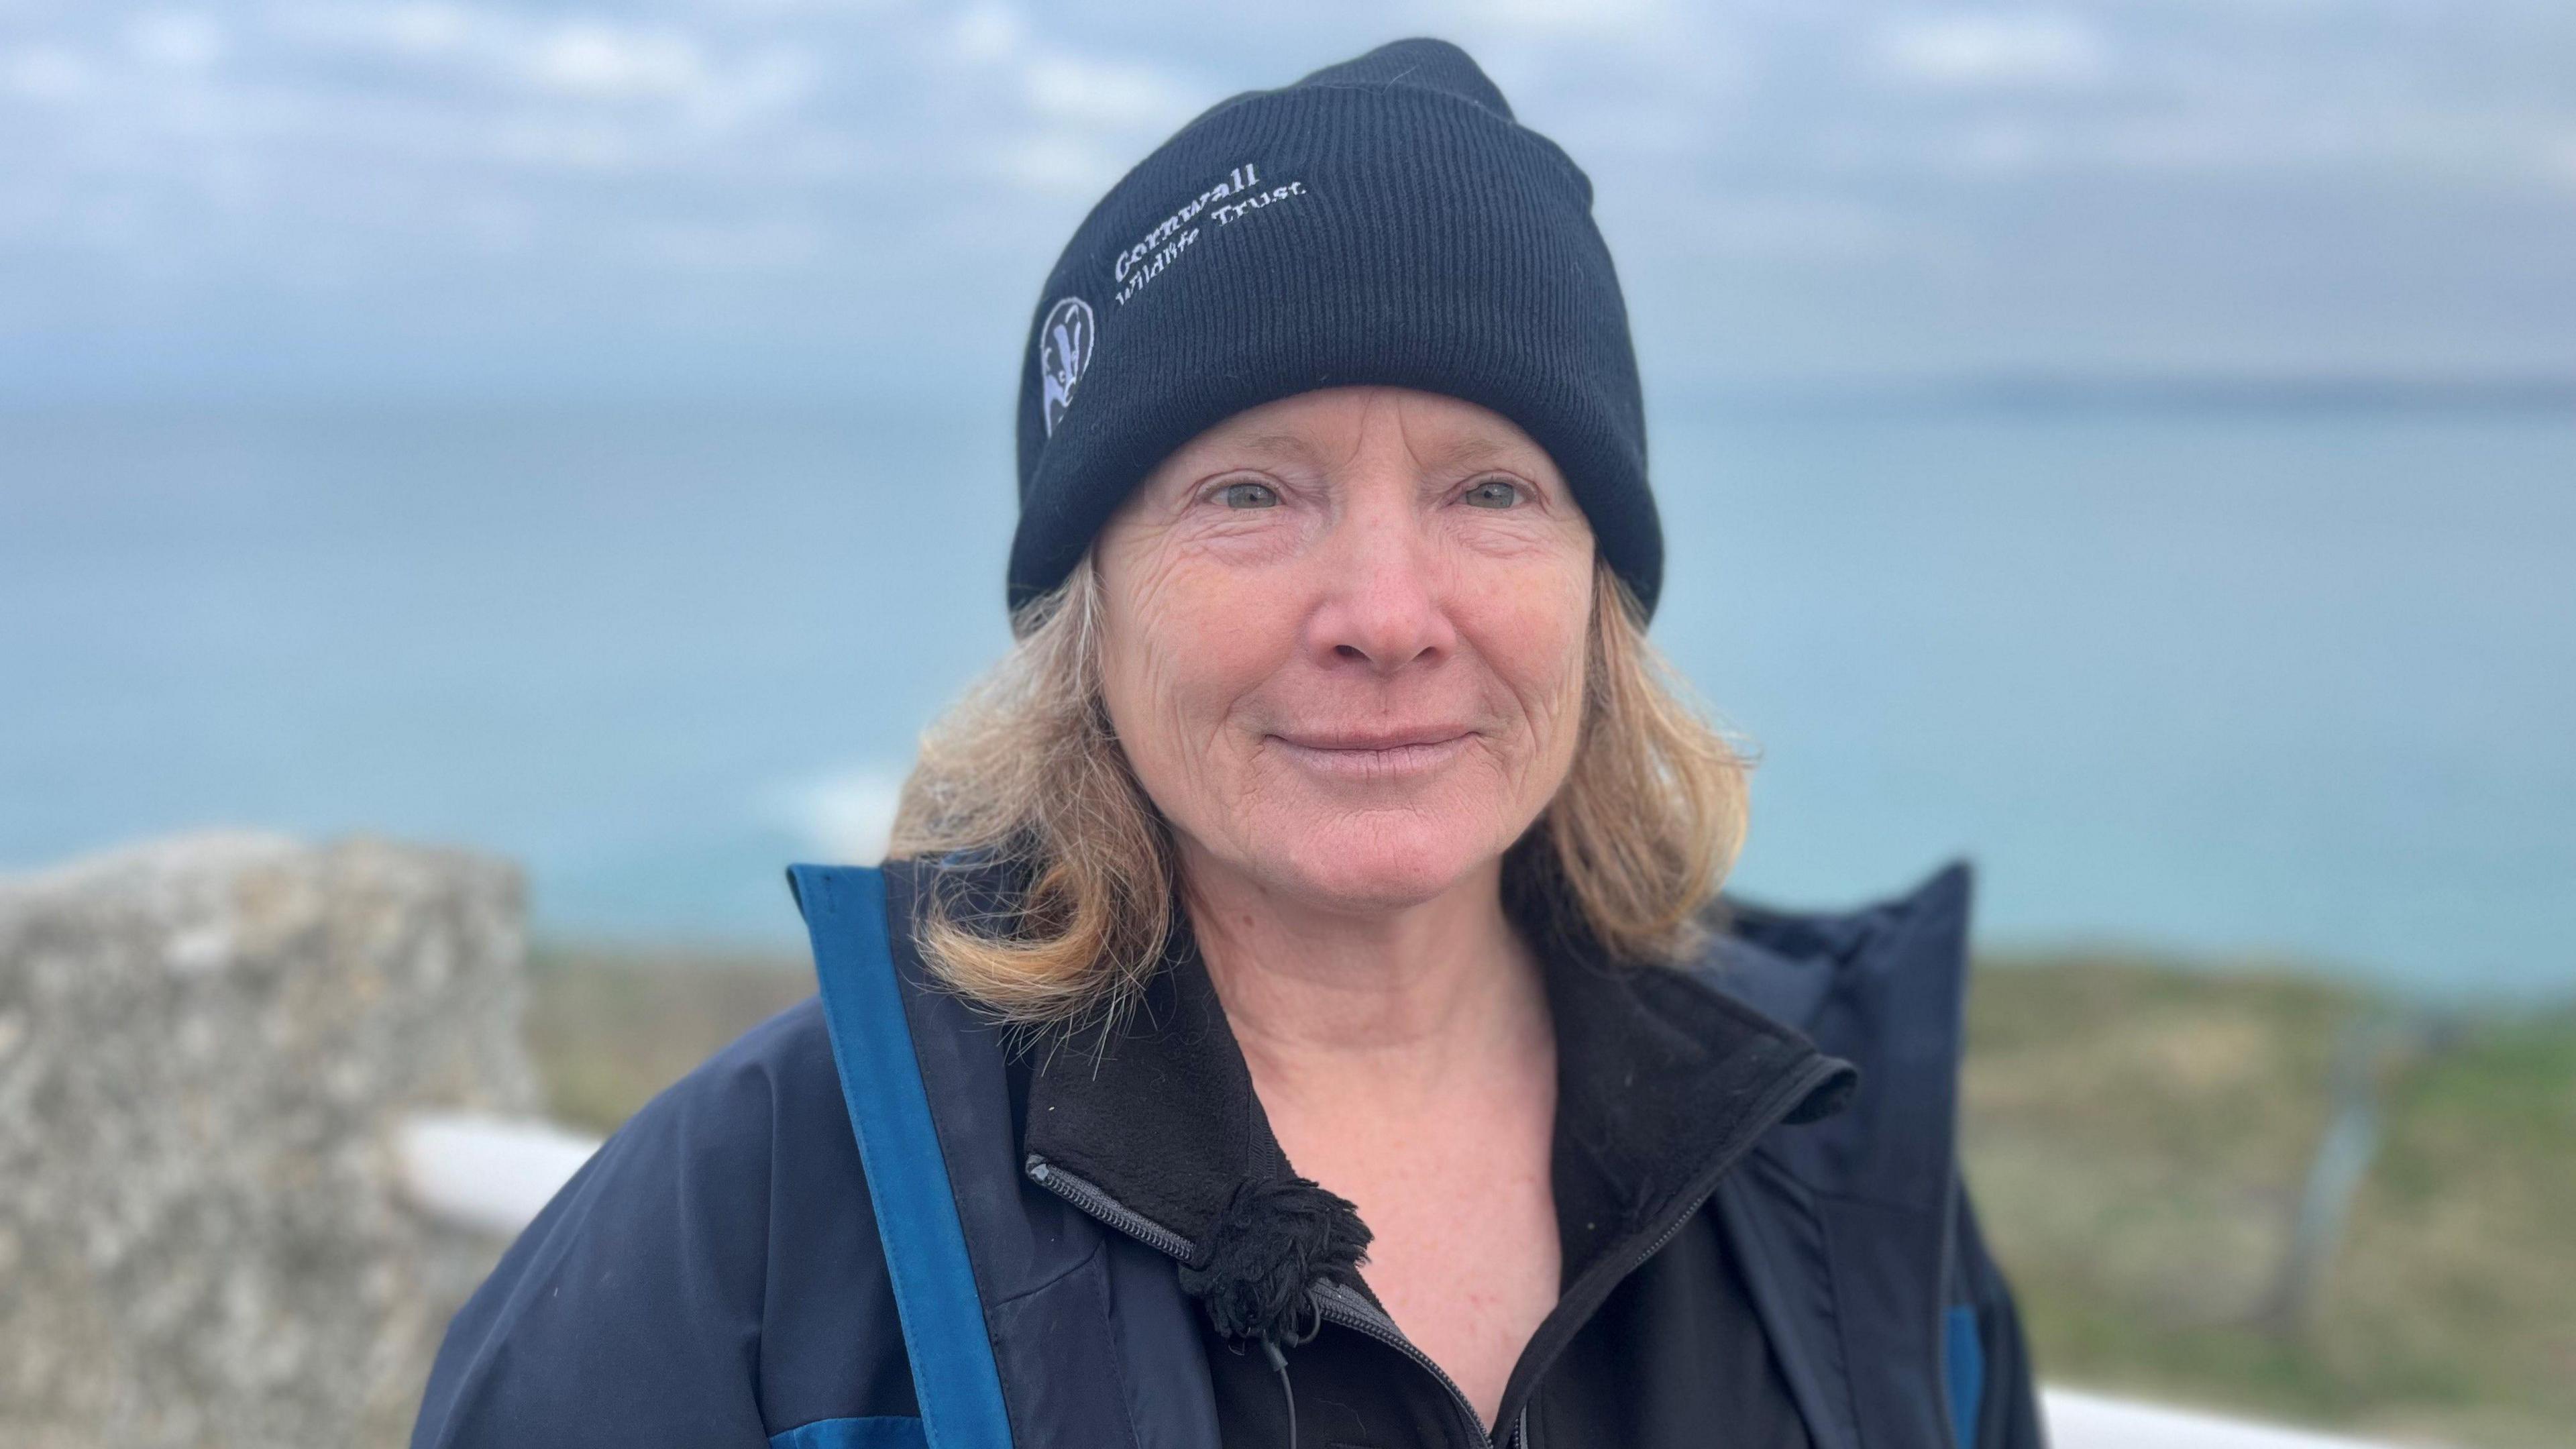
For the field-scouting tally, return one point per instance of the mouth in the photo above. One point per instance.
(1382, 756)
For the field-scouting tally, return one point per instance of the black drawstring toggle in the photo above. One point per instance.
(1274, 1244)
(1271, 1246)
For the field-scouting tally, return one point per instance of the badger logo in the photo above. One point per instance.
(1064, 350)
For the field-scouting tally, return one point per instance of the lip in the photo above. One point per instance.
(1378, 756)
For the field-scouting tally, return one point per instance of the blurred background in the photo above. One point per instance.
(2130, 445)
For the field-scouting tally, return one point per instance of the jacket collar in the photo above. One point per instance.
(1661, 1077)
(1158, 1108)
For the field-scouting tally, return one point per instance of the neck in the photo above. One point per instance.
(1403, 1006)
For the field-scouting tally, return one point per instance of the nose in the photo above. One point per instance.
(1383, 607)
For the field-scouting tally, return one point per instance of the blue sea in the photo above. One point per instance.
(2243, 681)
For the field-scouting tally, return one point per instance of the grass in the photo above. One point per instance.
(2136, 1133)
(608, 1029)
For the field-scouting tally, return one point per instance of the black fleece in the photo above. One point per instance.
(1663, 1085)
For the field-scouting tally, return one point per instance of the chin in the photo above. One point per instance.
(1372, 863)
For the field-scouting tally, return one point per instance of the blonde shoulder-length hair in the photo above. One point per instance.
(1026, 771)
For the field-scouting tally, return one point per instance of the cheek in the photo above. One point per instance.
(1534, 640)
(1180, 649)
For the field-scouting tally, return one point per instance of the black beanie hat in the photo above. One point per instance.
(1384, 220)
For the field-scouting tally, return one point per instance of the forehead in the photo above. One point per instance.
(1439, 431)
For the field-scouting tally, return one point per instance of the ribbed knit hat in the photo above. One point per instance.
(1384, 220)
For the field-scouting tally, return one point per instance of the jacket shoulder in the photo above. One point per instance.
(710, 1276)
(1923, 1324)
(1883, 987)
(1808, 967)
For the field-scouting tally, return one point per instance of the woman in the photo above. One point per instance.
(1294, 1010)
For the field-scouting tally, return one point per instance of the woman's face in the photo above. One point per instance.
(1344, 643)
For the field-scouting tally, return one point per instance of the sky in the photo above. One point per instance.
(825, 199)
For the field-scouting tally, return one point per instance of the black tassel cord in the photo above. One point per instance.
(1273, 1243)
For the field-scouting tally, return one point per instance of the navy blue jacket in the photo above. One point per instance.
(714, 1275)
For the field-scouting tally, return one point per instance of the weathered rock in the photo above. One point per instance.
(207, 1049)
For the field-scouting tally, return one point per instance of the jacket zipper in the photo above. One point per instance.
(1336, 1303)
(1345, 1306)
(1688, 1205)
(1108, 1209)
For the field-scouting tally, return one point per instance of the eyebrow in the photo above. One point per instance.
(1469, 449)
(1281, 445)
(1473, 449)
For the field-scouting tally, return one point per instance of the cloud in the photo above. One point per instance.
(427, 29)
(750, 246)
(580, 59)
(593, 58)
(1806, 229)
(1073, 120)
(489, 175)
(1556, 17)
(569, 143)
(175, 40)
(1061, 163)
(1103, 93)
(987, 33)
(1971, 51)
(418, 31)
(45, 73)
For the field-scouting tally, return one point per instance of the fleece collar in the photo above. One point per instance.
(1660, 1076)
(1158, 1110)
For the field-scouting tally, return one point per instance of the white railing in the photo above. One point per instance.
(491, 1174)
(2090, 1421)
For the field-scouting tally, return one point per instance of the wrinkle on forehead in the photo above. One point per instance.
(1463, 433)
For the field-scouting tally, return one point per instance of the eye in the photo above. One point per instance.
(1245, 493)
(1493, 493)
